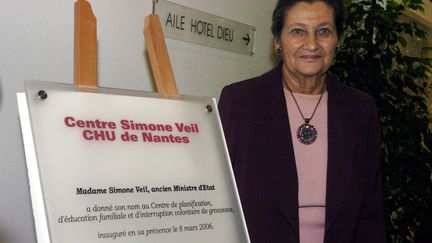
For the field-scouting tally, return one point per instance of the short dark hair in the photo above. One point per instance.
(283, 6)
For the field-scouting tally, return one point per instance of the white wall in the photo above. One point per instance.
(36, 42)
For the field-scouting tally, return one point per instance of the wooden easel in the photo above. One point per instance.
(85, 46)
(158, 54)
(85, 53)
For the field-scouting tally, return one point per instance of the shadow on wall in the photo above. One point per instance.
(1, 105)
(3, 237)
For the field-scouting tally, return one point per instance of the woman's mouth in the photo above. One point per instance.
(310, 58)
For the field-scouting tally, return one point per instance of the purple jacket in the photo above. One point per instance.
(256, 126)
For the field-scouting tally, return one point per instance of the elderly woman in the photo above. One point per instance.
(304, 147)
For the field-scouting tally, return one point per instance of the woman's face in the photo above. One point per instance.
(308, 39)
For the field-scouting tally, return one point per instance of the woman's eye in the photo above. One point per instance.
(324, 31)
(298, 31)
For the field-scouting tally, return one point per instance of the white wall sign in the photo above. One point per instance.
(127, 167)
(190, 25)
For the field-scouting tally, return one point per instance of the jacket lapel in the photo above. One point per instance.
(274, 141)
(339, 162)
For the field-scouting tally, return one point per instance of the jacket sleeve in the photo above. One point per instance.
(371, 227)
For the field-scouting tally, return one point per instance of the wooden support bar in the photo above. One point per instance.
(85, 53)
(158, 55)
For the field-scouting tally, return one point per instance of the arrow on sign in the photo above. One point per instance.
(247, 39)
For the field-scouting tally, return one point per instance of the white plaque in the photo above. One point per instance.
(127, 166)
(197, 27)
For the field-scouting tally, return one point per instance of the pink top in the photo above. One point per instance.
(311, 163)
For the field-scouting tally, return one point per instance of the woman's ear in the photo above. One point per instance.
(278, 48)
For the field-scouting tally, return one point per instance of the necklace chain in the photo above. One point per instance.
(306, 133)
(307, 120)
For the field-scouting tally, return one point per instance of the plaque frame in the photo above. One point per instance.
(37, 93)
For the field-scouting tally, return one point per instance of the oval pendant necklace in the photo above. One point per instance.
(306, 133)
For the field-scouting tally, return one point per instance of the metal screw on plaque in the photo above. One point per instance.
(209, 108)
(42, 95)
